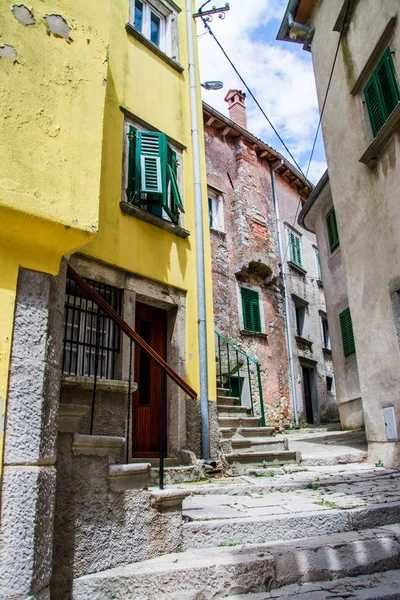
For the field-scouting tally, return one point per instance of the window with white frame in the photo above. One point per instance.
(156, 20)
(153, 173)
(318, 265)
(301, 317)
(215, 211)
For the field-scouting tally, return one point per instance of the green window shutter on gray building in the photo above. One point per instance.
(346, 327)
(333, 234)
(251, 310)
(295, 249)
(382, 92)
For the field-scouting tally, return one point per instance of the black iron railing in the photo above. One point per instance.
(104, 312)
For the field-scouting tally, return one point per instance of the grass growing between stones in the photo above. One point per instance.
(328, 503)
(225, 544)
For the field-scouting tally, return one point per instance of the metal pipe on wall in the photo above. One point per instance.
(287, 314)
(198, 198)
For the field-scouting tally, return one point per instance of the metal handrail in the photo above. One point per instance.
(249, 359)
(134, 338)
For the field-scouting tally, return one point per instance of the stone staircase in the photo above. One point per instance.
(245, 444)
(335, 540)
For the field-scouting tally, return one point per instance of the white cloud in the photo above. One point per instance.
(317, 169)
(280, 74)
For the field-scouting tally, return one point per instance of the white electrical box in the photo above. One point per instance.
(389, 417)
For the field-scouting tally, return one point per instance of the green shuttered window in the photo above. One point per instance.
(251, 310)
(295, 249)
(333, 234)
(382, 92)
(152, 174)
(346, 327)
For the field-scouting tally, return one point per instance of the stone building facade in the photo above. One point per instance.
(246, 263)
(360, 125)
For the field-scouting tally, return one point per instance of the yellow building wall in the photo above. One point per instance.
(52, 96)
(153, 91)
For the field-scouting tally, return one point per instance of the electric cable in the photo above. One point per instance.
(210, 31)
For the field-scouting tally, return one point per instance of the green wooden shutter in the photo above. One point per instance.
(150, 168)
(130, 189)
(374, 105)
(173, 201)
(251, 310)
(382, 92)
(388, 86)
(333, 234)
(295, 249)
(319, 274)
(346, 327)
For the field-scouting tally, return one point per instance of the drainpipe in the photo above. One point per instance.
(198, 199)
(307, 28)
(287, 314)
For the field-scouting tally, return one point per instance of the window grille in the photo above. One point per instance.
(86, 327)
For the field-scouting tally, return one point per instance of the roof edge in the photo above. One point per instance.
(311, 200)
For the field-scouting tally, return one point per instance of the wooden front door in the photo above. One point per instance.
(151, 325)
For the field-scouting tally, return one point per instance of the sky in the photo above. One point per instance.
(279, 74)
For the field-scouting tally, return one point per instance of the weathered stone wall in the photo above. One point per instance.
(29, 480)
(247, 253)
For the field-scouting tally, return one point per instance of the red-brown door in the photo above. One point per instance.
(151, 325)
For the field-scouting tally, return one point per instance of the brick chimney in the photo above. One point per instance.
(237, 107)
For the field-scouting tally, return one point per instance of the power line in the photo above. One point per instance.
(206, 25)
(329, 84)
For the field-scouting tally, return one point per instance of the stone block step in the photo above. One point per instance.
(269, 444)
(228, 400)
(227, 432)
(222, 392)
(378, 586)
(236, 422)
(233, 411)
(154, 462)
(174, 475)
(223, 571)
(294, 526)
(258, 457)
(256, 431)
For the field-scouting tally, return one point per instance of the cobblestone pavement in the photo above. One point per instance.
(291, 491)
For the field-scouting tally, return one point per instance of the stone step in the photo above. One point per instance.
(154, 462)
(233, 411)
(227, 432)
(258, 457)
(175, 475)
(255, 444)
(236, 422)
(222, 392)
(256, 431)
(221, 572)
(378, 586)
(228, 400)
(209, 533)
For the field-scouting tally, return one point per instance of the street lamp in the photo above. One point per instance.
(212, 85)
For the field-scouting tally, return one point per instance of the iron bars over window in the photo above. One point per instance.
(90, 336)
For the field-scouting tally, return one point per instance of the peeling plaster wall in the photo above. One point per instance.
(52, 98)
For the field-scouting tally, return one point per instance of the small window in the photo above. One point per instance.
(251, 310)
(331, 225)
(91, 338)
(382, 92)
(300, 319)
(318, 265)
(326, 338)
(329, 383)
(295, 249)
(346, 327)
(215, 211)
(152, 178)
(150, 23)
